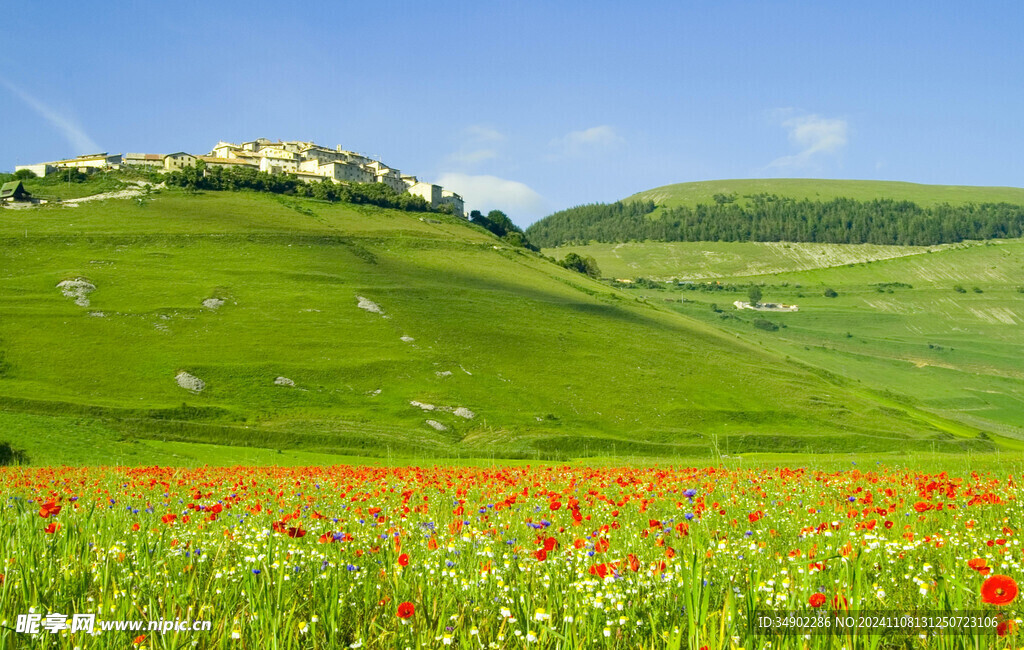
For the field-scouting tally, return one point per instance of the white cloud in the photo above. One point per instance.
(76, 137)
(517, 200)
(595, 137)
(814, 135)
(480, 133)
(479, 146)
(474, 157)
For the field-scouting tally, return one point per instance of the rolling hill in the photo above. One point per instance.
(935, 326)
(243, 325)
(691, 194)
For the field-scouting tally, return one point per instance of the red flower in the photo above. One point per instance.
(999, 590)
(403, 559)
(406, 610)
(296, 532)
(816, 600)
(52, 528)
(754, 516)
(540, 554)
(602, 545)
(168, 518)
(49, 509)
(1006, 627)
(554, 505)
(432, 544)
(139, 639)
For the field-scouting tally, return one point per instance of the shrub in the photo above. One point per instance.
(11, 456)
(830, 292)
(959, 289)
(977, 290)
(24, 174)
(767, 325)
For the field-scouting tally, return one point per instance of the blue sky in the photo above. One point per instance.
(534, 107)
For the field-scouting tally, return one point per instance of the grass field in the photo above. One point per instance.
(697, 261)
(691, 194)
(953, 352)
(545, 362)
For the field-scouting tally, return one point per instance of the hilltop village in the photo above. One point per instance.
(307, 161)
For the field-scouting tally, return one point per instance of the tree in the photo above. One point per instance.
(584, 264)
(754, 294)
(24, 174)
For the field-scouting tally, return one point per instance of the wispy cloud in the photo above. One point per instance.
(578, 142)
(474, 157)
(480, 133)
(479, 144)
(76, 137)
(814, 135)
(483, 192)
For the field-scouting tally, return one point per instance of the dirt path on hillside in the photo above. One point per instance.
(127, 193)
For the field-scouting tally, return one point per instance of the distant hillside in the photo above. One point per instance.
(814, 189)
(834, 212)
(139, 330)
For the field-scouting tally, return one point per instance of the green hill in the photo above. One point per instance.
(786, 210)
(321, 328)
(691, 194)
(938, 326)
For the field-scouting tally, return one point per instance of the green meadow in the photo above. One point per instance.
(478, 350)
(934, 327)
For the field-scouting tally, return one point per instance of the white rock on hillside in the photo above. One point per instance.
(464, 412)
(425, 407)
(284, 381)
(369, 305)
(190, 382)
(79, 289)
(213, 303)
(437, 425)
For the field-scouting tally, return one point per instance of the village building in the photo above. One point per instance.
(154, 160)
(306, 160)
(14, 191)
(178, 161)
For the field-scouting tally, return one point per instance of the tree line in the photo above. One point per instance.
(201, 177)
(767, 217)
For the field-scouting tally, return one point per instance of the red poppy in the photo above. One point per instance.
(168, 518)
(540, 554)
(406, 610)
(296, 532)
(754, 516)
(602, 545)
(980, 565)
(52, 528)
(817, 599)
(634, 563)
(403, 559)
(999, 590)
(49, 509)
(554, 505)
(550, 544)
(432, 544)
(1006, 627)
(139, 639)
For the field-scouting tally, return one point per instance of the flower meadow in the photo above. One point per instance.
(504, 557)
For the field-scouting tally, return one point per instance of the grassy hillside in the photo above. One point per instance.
(701, 260)
(939, 327)
(691, 194)
(542, 362)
